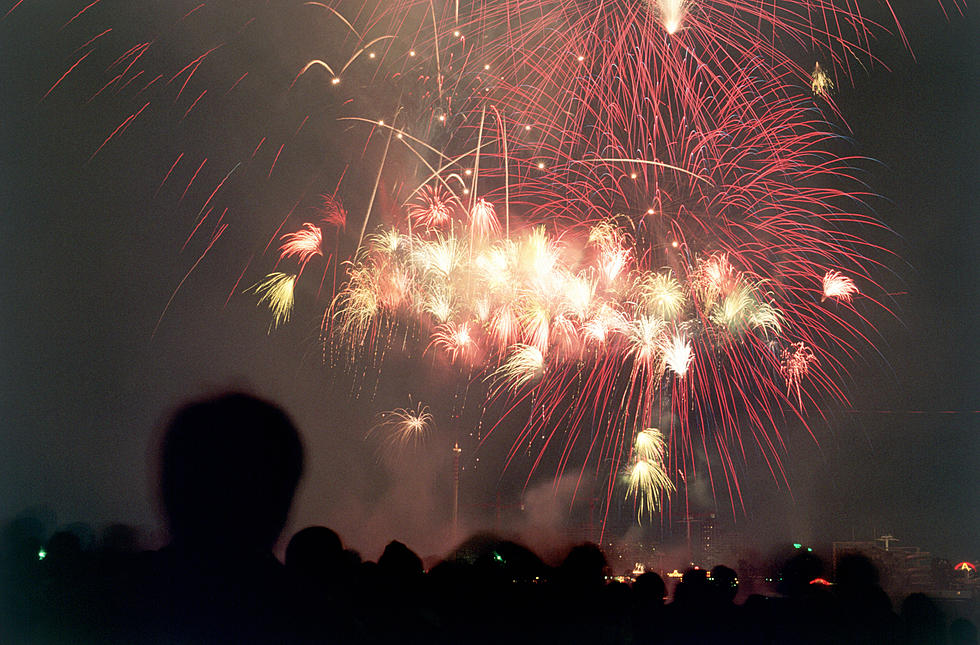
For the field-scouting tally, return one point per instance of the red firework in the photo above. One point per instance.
(677, 207)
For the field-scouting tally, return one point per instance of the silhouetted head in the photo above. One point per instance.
(962, 632)
(924, 620)
(693, 588)
(725, 581)
(399, 561)
(315, 551)
(120, 538)
(229, 467)
(584, 566)
(856, 571)
(649, 589)
(63, 549)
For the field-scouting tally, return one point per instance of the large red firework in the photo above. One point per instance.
(622, 213)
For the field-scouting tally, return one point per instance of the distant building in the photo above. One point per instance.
(905, 569)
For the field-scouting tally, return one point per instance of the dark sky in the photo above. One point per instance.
(91, 257)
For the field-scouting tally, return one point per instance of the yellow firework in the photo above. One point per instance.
(439, 257)
(493, 265)
(742, 309)
(523, 365)
(403, 428)
(276, 290)
(387, 242)
(577, 295)
(650, 445)
(647, 477)
(820, 83)
(660, 294)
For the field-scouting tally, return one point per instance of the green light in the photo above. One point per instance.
(498, 557)
(41, 554)
(797, 545)
(809, 550)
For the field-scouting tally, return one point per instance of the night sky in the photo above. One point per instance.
(92, 255)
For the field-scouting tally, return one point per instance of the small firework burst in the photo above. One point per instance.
(820, 83)
(304, 244)
(276, 290)
(647, 478)
(432, 206)
(403, 428)
(836, 285)
(794, 366)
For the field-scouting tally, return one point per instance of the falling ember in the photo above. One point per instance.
(836, 285)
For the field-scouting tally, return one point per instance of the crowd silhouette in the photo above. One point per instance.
(228, 469)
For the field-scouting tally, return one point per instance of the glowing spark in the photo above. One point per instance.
(387, 241)
(440, 257)
(493, 265)
(505, 328)
(605, 321)
(578, 294)
(741, 309)
(440, 305)
(536, 318)
(612, 261)
(836, 285)
(646, 339)
(403, 428)
(714, 275)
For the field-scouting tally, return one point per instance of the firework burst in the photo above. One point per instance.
(622, 208)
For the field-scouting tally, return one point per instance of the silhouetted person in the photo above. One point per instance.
(649, 593)
(962, 632)
(315, 554)
(583, 569)
(923, 621)
(724, 580)
(400, 563)
(228, 469)
(866, 613)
